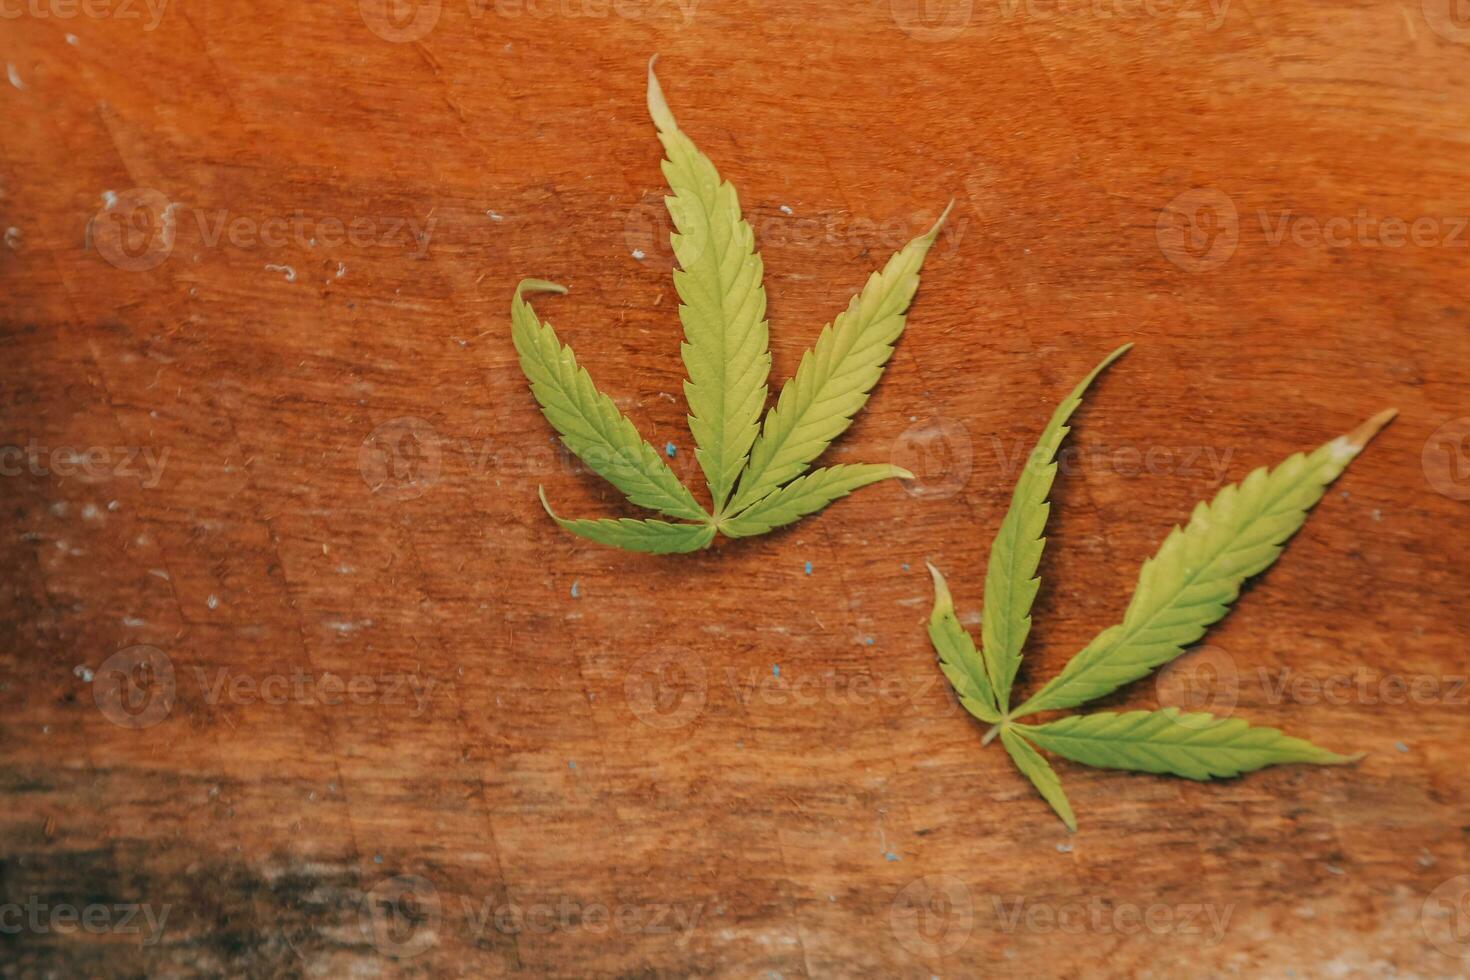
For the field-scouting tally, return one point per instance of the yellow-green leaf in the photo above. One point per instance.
(962, 664)
(834, 378)
(651, 536)
(1195, 745)
(723, 305)
(807, 495)
(1040, 772)
(1010, 575)
(589, 423)
(1199, 570)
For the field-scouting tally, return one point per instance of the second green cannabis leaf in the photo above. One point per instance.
(1185, 588)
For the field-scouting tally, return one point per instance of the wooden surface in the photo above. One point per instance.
(297, 641)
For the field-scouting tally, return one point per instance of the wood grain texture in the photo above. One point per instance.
(259, 259)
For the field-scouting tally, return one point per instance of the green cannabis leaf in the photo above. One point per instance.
(1184, 589)
(758, 472)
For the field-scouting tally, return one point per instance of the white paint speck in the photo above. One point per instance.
(342, 626)
(638, 254)
(133, 622)
(212, 602)
(112, 505)
(341, 269)
(1341, 449)
(786, 210)
(90, 512)
(83, 671)
(12, 238)
(158, 573)
(493, 216)
(290, 272)
(109, 199)
(14, 77)
(73, 40)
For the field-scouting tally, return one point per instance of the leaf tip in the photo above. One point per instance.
(1345, 448)
(539, 286)
(933, 233)
(658, 106)
(1358, 438)
(541, 492)
(942, 598)
(899, 473)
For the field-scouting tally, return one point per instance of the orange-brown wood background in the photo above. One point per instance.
(292, 655)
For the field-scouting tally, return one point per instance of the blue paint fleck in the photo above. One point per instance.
(1401, 746)
(670, 449)
(571, 764)
(905, 566)
(575, 593)
(867, 641)
(377, 859)
(890, 856)
(775, 670)
(808, 568)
